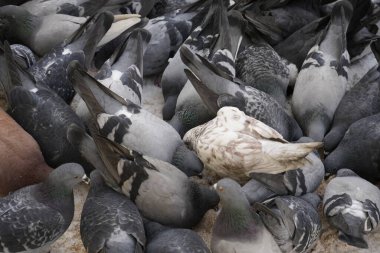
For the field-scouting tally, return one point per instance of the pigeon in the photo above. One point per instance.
(124, 75)
(43, 33)
(235, 145)
(190, 109)
(78, 8)
(200, 41)
(293, 221)
(351, 204)
(361, 101)
(259, 66)
(322, 81)
(359, 149)
(163, 239)
(21, 161)
(296, 47)
(128, 124)
(41, 112)
(278, 19)
(293, 182)
(161, 192)
(237, 228)
(110, 222)
(218, 90)
(168, 34)
(51, 69)
(32, 218)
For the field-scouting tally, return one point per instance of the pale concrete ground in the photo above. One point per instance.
(71, 242)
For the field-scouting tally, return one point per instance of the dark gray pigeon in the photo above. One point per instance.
(237, 228)
(217, 90)
(359, 150)
(163, 239)
(361, 101)
(32, 218)
(322, 81)
(351, 204)
(293, 221)
(128, 124)
(110, 222)
(258, 65)
(50, 70)
(278, 19)
(41, 112)
(161, 192)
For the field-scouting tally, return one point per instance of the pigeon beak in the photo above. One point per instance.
(120, 17)
(85, 179)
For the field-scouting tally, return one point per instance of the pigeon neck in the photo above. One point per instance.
(236, 217)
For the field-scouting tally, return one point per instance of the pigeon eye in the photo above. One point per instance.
(220, 188)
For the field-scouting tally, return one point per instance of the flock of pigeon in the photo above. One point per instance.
(263, 98)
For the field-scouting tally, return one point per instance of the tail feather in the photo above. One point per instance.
(333, 42)
(90, 34)
(80, 79)
(291, 151)
(131, 52)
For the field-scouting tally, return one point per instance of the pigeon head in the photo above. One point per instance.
(230, 193)
(16, 23)
(346, 173)
(67, 175)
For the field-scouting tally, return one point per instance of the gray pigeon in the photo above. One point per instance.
(351, 204)
(163, 239)
(359, 150)
(123, 72)
(322, 81)
(50, 70)
(32, 218)
(258, 65)
(293, 221)
(110, 222)
(128, 124)
(190, 110)
(41, 112)
(361, 101)
(161, 192)
(237, 228)
(168, 34)
(217, 90)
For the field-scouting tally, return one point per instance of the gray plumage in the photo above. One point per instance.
(50, 70)
(361, 101)
(259, 66)
(110, 222)
(78, 8)
(41, 34)
(278, 19)
(190, 110)
(41, 112)
(293, 222)
(25, 57)
(237, 228)
(322, 81)
(161, 192)
(34, 217)
(294, 182)
(123, 72)
(163, 239)
(168, 34)
(218, 90)
(351, 204)
(359, 149)
(128, 124)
